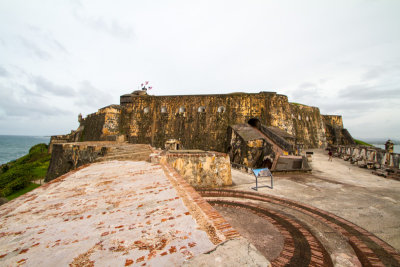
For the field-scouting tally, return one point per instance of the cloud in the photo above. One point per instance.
(305, 90)
(44, 86)
(349, 108)
(3, 72)
(379, 71)
(368, 92)
(34, 49)
(307, 85)
(48, 38)
(99, 23)
(92, 97)
(14, 103)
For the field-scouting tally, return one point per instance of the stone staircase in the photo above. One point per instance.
(133, 152)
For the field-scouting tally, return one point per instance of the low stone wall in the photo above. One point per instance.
(292, 164)
(201, 169)
(69, 156)
(372, 157)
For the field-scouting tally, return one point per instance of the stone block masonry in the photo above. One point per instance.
(201, 121)
(102, 124)
(200, 169)
(69, 156)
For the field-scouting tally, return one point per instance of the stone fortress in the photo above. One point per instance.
(201, 121)
(149, 183)
(255, 129)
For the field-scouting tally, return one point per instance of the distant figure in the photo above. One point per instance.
(330, 155)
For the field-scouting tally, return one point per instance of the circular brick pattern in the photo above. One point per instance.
(299, 241)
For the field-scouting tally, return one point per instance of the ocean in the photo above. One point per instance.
(16, 146)
(396, 148)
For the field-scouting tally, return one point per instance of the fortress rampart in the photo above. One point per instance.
(202, 121)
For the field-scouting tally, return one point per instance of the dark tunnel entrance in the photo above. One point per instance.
(255, 123)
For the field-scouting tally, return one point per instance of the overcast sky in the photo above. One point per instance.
(62, 58)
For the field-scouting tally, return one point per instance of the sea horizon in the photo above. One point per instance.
(13, 147)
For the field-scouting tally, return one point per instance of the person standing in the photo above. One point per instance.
(330, 155)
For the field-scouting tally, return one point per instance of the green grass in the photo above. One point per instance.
(17, 175)
(22, 191)
(362, 143)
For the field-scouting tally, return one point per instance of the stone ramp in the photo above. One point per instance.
(118, 213)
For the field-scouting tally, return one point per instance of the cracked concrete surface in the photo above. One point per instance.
(234, 252)
(110, 214)
(115, 213)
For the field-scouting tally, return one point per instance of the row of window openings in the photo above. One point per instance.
(307, 119)
(201, 109)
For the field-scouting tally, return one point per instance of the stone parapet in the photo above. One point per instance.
(367, 154)
(199, 168)
(69, 156)
(384, 163)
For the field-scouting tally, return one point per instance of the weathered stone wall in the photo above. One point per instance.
(254, 153)
(292, 164)
(69, 156)
(200, 121)
(59, 139)
(334, 120)
(374, 156)
(102, 124)
(201, 169)
(278, 113)
(308, 125)
(335, 133)
(286, 145)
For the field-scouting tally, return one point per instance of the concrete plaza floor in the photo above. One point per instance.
(355, 194)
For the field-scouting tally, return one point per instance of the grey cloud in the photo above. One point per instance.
(366, 92)
(376, 72)
(48, 38)
(305, 90)
(350, 108)
(307, 85)
(111, 27)
(3, 72)
(36, 50)
(91, 96)
(17, 105)
(373, 73)
(45, 86)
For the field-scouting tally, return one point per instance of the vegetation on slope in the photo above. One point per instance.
(16, 176)
(362, 143)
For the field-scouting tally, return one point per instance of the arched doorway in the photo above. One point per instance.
(255, 123)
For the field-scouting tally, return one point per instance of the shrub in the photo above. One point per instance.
(18, 174)
(362, 143)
